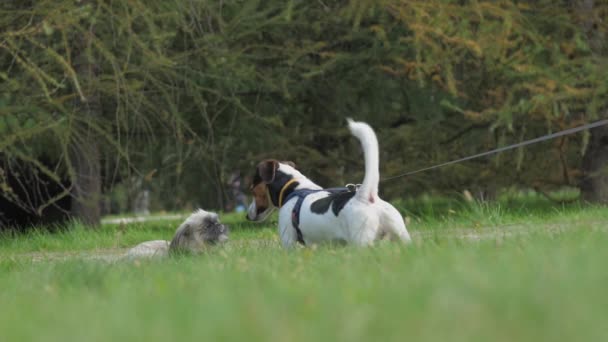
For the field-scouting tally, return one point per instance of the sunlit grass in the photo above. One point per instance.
(538, 274)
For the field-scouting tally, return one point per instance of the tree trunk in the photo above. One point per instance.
(84, 146)
(594, 184)
(85, 158)
(86, 186)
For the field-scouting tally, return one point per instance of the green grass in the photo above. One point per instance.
(535, 275)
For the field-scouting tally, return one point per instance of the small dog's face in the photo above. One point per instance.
(200, 229)
(214, 232)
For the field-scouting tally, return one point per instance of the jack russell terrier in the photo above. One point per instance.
(309, 214)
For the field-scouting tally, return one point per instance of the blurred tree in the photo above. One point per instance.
(512, 69)
(84, 151)
(173, 96)
(591, 15)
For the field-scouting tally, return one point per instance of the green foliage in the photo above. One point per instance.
(513, 71)
(186, 92)
(507, 60)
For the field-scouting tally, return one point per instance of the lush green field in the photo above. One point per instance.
(506, 272)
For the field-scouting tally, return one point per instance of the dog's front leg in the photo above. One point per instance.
(288, 235)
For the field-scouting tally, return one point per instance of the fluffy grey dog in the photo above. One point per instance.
(199, 230)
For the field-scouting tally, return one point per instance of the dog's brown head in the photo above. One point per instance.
(271, 182)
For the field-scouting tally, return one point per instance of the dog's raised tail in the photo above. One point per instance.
(369, 188)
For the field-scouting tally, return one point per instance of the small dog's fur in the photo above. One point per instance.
(199, 230)
(358, 218)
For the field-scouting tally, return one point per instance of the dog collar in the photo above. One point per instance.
(291, 181)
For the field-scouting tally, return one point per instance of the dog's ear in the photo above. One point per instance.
(179, 239)
(290, 163)
(267, 170)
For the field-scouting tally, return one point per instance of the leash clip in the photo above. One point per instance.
(352, 187)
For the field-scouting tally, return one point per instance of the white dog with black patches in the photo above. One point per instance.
(309, 214)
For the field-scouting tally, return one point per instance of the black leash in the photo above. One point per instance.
(506, 148)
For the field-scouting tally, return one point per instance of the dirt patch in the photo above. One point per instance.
(466, 234)
(109, 255)
(506, 231)
(126, 220)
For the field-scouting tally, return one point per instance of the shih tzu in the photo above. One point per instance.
(198, 231)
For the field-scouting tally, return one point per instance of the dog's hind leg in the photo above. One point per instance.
(392, 222)
(363, 229)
